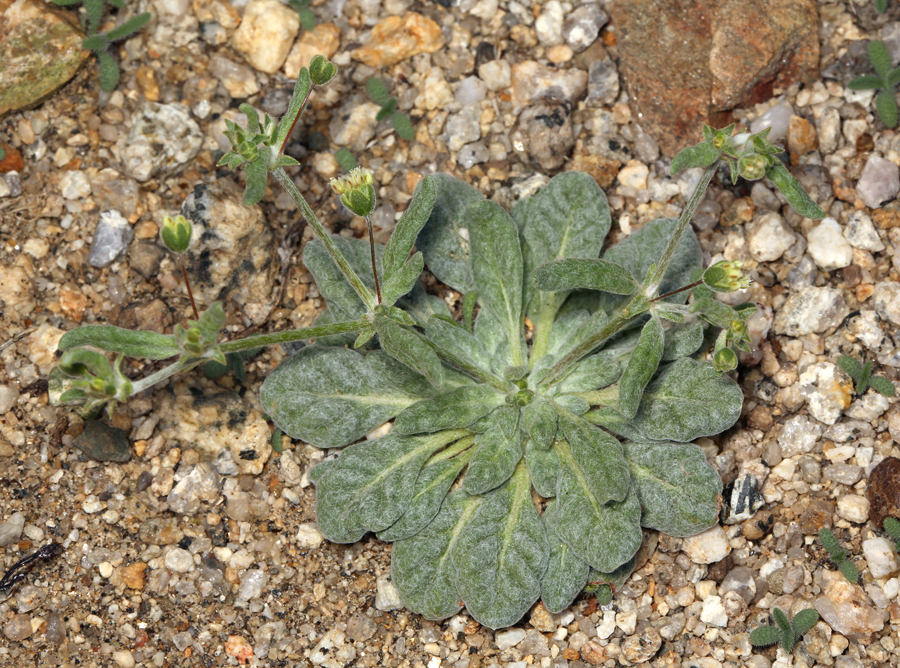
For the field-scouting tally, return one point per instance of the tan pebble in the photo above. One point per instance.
(412, 180)
(559, 53)
(133, 575)
(397, 38)
(147, 83)
(239, 648)
(219, 11)
(864, 291)
(593, 652)
(72, 303)
(802, 137)
(26, 131)
(266, 33)
(146, 229)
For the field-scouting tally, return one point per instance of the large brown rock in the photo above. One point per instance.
(40, 48)
(883, 491)
(686, 61)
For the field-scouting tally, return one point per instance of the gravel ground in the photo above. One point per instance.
(200, 548)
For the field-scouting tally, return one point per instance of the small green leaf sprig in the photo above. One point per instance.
(307, 18)
(751, 157)
(884, 80)
(863, 378)
(99, 42)
(378, 92)
(892, 527)
(838, 556)
(786, 631)
(881, 5)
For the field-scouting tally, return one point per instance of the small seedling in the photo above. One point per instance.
(863, 378)
(98, 42)
(345, 159)
(378, 92)
(307, 18)
(881, 5)
(884, 80)
(892, 527)
(838, 556)
(786, 631)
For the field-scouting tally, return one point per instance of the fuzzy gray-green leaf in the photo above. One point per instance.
(431, 489)
(543, 466)
(407, 346)
(796, 196)
(590, 274)
(457, 342)
(444, 241)
(640, 368)
(763, 636)
(605, 535)
(329, 396)
(591, 373)
(422, 567)
(539, 420)
(567, 573)
(496, 258)
(502, 555)
(498, 451)
(370, 485)
(457, 408)
(564, 330)
(568, 218)
(331, 282)
(682, 340)
(701, 155)
(686, 400)
(596, 458)
(149, 345)
(408, 227)
(678, 488)
(644, 247)
(403, 280)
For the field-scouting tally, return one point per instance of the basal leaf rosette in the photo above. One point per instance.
(540, 392)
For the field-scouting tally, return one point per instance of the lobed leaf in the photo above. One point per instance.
(432, 487)
(149, 345)
(452, 341)
(499, 450)
(496, 259)
(444, 240)
(640, 368)
(605, 535)
(678, 488)
(371, 483)
(596, 459)
(781, 619)
(682, 340)
(567, 573)
(543, 467)
(109, 71)
(591, 274)
(408, 227)
(686, 400)
(408, 347)
(886, 106)
(457, 408)
(330, 397)
(849, 571)
(402, 125)
(502, 555)
(422, 567)
(539, 420)
(882, 385)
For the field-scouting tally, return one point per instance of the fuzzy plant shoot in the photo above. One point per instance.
(536, 433)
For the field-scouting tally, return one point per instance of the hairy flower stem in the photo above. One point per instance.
(683, 221)
(303, 334)
(300, 111)
(372, 250)
(640, 303)
(675, 292)
(187, 284)
(355, 282)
